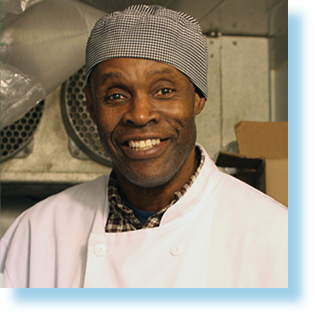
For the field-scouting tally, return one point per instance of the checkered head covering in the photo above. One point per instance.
(151, 32)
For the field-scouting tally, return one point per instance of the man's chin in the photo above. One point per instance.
(147, 181)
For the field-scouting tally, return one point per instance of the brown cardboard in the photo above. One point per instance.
(276, 174)
(268, 140)
(262, 158)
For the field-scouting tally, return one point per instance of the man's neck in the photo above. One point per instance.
(156, 198)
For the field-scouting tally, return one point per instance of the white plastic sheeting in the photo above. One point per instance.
(40, 50)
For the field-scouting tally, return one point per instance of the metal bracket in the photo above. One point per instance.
(76, 152)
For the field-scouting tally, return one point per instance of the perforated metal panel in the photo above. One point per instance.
(79, 125)
(16, 137)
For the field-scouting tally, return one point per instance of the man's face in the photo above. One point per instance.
(145, 113)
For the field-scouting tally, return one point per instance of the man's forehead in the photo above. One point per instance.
(119, 68)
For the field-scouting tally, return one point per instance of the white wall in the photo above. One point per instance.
(238, 88)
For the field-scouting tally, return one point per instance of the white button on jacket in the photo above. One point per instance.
(176, 250)
(100, 250)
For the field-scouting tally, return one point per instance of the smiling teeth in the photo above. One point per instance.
(143, 144)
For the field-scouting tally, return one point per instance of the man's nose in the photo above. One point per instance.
(141, 112)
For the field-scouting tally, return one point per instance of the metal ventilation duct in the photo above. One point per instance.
(78, 123)
(17, 137)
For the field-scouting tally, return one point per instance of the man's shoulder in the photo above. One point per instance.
(250, 208)
(250, 195)
(234, 191)
(79, 201)
(88, 192)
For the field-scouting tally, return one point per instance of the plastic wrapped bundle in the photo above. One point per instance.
(41, 50)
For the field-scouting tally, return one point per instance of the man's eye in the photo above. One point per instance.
(164, 91)
(114, 97)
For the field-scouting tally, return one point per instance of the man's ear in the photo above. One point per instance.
(89, 101)
(199, 103)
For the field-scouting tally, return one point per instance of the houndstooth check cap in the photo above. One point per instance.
(151, 32)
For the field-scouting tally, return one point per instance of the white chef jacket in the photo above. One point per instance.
(221, 234)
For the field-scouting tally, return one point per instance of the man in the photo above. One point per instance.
(166, 216)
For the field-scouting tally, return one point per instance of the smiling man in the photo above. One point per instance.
(166, 216)
(145, 112)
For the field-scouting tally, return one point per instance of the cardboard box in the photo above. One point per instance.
(262, 160)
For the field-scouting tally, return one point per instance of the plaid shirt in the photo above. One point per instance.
(121, 218)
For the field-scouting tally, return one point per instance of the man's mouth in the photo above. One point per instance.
(143, 145)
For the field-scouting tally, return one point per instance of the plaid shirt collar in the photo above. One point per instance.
(121, 218)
